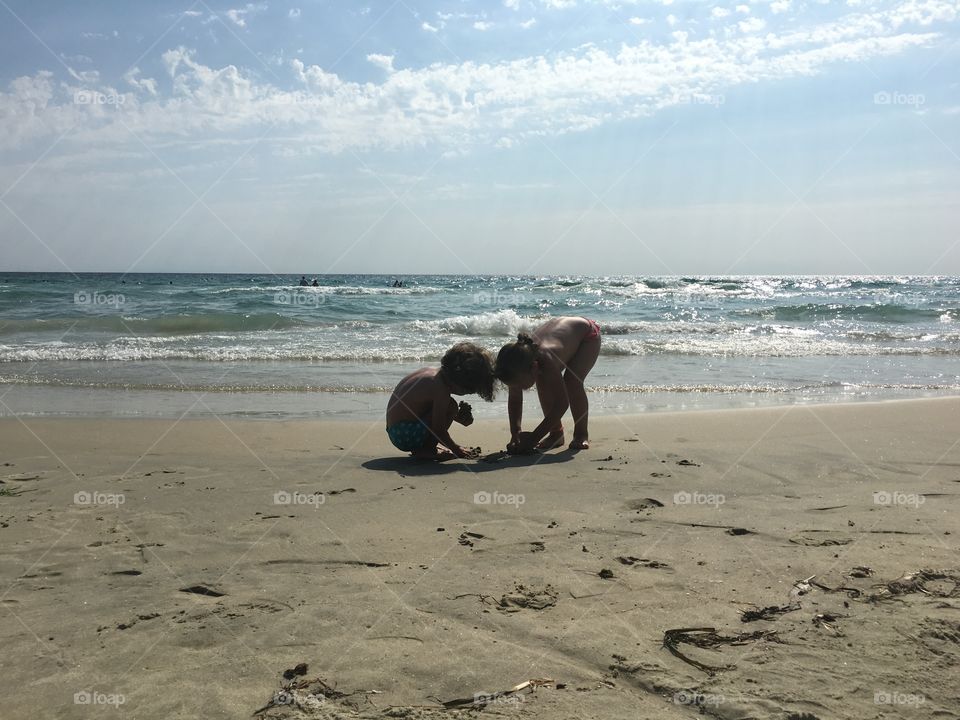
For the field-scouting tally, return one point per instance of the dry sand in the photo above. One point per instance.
(393, 607)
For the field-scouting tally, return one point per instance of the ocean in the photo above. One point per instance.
(171, 345)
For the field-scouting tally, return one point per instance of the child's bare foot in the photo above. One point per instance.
(435, 453)
(580, 444)
(551, 441)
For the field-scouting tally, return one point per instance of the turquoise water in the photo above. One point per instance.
(260, 344)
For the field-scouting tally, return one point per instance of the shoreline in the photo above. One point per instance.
(42, 401)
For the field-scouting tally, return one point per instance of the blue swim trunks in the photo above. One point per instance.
(408, 435)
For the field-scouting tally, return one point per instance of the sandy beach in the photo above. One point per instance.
(805, 559)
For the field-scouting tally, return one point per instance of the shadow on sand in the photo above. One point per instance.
(494, 461)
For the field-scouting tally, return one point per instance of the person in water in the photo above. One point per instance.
(556, 357)
(316, 283)
(303, 281)
(421, 409)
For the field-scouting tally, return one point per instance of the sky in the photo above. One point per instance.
(602, 137)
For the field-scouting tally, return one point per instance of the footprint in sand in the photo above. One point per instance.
(643, 504)
(641, 562)
(528, 598)
(808, 541)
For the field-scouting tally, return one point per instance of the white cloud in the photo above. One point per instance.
(482, 25)
(238, 16)
(719, 12)
(448, 105)
(751, 25)
(132, 76)
(512, 4)
(745, 9)
(87, 77)
(639, 21)
(527, 24)
(384, 62)
(429, 28)
(294, 13)
(672, 20)
(780, 6)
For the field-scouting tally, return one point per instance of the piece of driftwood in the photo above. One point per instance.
(828, 622)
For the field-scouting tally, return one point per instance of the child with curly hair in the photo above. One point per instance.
(556, 358)
(421, 409)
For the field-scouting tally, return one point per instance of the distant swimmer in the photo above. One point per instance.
(315, 283)
(303, 281)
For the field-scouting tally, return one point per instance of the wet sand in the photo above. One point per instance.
(154, 569)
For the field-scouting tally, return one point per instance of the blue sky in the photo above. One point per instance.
(517, 136)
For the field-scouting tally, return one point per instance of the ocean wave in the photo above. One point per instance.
(496, 323)
(879, 312)
(707, 346)
(164, 325)
(763, 346)
(634, 388)
(137, 351)
(325, 290)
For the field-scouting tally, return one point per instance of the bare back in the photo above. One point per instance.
(414, 396)
(561, 337)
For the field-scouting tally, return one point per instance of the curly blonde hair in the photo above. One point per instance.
(470, 367)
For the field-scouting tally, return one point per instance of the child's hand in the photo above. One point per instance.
(523, 444)
(527, 442)
(468, 453)
(464, 414)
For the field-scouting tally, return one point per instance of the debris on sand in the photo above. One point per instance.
(641, 562)
(828, 622)
(305, 694)
(771, 612)
(918, 582)
(709, 638)
(528, 598)
(521, 598)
